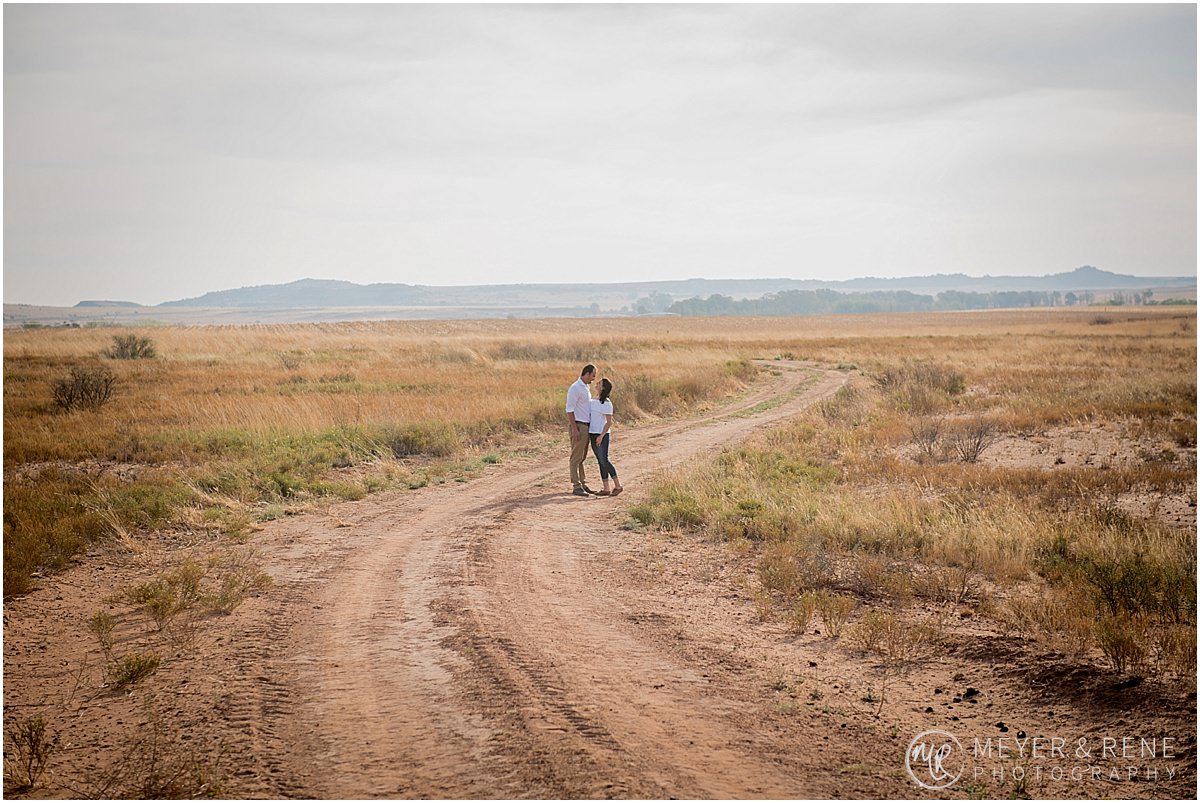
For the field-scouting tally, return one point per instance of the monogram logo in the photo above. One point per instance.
(935, 759)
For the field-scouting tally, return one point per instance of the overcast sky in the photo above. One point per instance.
(158, 152)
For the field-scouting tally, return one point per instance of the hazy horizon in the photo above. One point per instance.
(447, 286)
(155, 153)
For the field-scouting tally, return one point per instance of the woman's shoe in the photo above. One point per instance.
(603, 493)
(616, 491)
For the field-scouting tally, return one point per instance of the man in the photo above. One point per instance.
(579, 413)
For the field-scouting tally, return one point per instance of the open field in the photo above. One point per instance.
(338, 559)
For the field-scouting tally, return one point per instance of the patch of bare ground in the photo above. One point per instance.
(978, 681)
(1100, 446)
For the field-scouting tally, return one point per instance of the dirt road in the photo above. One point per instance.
(491, 639)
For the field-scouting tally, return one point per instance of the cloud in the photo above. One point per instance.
(153, 152)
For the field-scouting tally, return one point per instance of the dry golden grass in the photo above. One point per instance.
(836, 506)
(227, 423)
(306, 379)
(226, 419)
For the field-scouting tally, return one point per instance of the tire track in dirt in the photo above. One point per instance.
(461, 646)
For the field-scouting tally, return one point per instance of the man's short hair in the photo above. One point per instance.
(588, 369)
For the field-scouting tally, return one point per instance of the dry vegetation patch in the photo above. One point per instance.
(917, 490)
(213, 428)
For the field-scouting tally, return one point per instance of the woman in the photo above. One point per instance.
(601, 423)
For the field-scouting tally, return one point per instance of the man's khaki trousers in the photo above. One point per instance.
(579, 451)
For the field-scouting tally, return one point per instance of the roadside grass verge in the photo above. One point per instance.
(828, 508)
(226, 426)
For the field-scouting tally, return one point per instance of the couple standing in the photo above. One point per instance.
(589, 421)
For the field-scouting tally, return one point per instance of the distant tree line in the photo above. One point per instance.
(832, 302)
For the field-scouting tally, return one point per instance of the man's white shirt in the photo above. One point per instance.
(579, 401)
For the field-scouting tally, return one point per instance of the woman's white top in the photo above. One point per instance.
(599, 411)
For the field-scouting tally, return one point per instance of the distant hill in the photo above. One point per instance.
(302, 293)
(325, 293)
(108, 304)
(1082, 278)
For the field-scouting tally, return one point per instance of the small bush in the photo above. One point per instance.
(835, 611)
(1064, 616)
(649, 395)
(85, 388)
(240, 577)
(1120, 639)
(129, 669)
(878, 576)
(792, 569)
(970, 439)
(27, 752)
(156, 766)
(844, 406)
(130, 347)
(171, 593)
(923, 374)
(669, 508)
(895, 640)
(1133, 583)
(102, 625)
(764, 604)
(741, 370)
(1175, 650)
(952, 585)
(802, 612)
(435, 439)
(927, 435)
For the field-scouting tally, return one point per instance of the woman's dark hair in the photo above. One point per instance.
(605, 389)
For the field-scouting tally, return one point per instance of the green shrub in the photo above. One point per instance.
(48, 518)
(835, 611)
(170, 593)
(129, 669)
(1120, 639)
(434, 439)
(102, 625)
(742, 370)
(669, 508)
(130, 347)
(1133, 584)
(239, 578)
